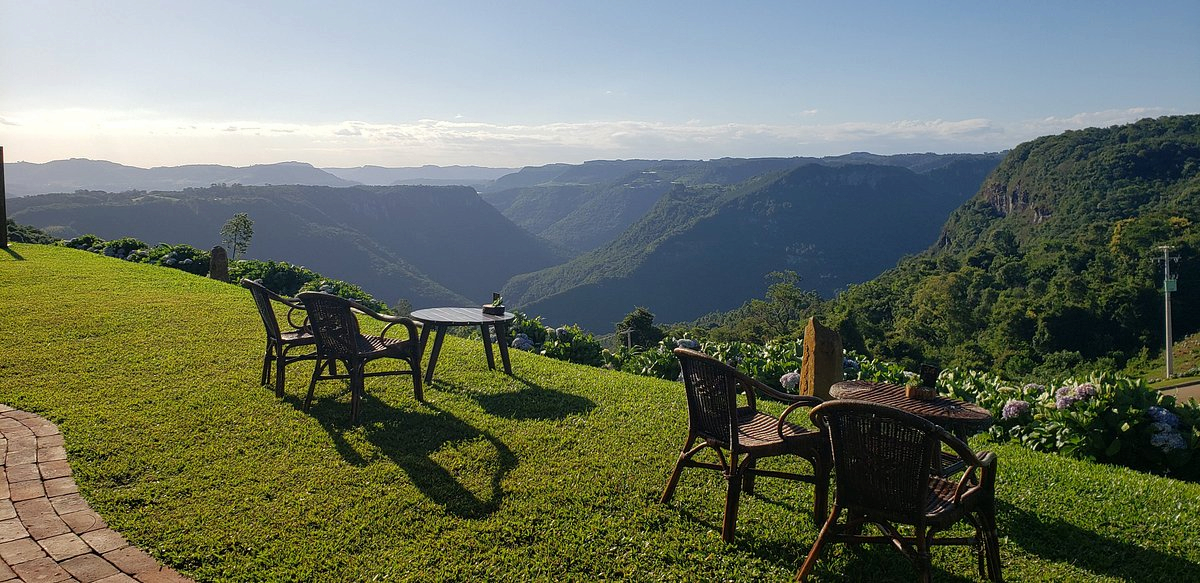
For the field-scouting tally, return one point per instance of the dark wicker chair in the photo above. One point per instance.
(715, 419)
(280, 342)
(335, 326)
(887, 467)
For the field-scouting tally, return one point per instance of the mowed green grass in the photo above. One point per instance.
(552, 474)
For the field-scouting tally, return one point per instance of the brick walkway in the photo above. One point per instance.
(48, 533)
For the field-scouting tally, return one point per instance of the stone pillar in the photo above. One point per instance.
(218, 264)
(822, 365)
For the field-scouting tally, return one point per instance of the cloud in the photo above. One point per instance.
(151, 138)
(7, 122)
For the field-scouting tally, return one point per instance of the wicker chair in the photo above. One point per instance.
(335, 326)
(280, 342)
(887, 467)
(715, 419)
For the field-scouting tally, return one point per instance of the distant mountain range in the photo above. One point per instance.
(576, 243)
(707, 246)
(431, 245)
(26, 178)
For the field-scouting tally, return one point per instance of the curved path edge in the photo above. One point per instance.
(48, 532)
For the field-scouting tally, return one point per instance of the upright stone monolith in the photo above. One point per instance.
(218, 264)
(822, 365)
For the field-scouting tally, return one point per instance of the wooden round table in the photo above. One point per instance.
(443, 318)
(959, 417)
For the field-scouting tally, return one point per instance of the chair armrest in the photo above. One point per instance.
(984, 462)
(391, 320)
(767, 391)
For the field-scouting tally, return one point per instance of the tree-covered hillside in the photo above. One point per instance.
(705, 248)
(1053, 262)
(428, 245)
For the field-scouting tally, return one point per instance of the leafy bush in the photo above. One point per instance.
(346, 290)
(573, 344)
(184, 257)
(85, 242)
(18, 233)
(122, 248)
(1101, 417)
(278, 276)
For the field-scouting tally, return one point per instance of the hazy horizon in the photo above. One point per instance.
(409, 84)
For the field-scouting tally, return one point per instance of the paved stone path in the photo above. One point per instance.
(48, 532)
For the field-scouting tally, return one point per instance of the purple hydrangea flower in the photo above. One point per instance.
(1014, 408)
(1086, 391)
(1168, 441)
(1161, 415)
(1034, 387)
(522, 342)
(790, 380)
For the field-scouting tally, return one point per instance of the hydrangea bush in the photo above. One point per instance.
(1104, 417)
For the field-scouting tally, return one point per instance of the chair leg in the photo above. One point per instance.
(815, 551)
(418, 389)
(991, 545)
(820, 492)
(923, 559)
(312, 384)
(748, 474)
(266, 367)
(280, 363)
(356, 390)
(684, 455)
(732, 498)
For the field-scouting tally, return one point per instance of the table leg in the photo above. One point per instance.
(487, 346)
(433, 356)
(502, 339)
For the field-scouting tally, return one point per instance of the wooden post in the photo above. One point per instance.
(822, 364)
(3, 206)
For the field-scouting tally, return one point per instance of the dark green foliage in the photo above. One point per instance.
(638, 329)
(1052, 265)
(573, 344)
(185, 257)
(288, 280)
(27, 234)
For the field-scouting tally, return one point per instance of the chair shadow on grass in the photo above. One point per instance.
(1052, 539)
(411, 438)
(533, 402)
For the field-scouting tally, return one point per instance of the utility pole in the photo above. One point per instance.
(1170, 282)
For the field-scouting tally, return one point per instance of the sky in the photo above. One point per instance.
(510, 84)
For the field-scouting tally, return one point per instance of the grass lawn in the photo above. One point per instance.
(152, 375)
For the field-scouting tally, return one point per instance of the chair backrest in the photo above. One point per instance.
(333, 325)
(711, 387)
(262, 300)
(882, 456)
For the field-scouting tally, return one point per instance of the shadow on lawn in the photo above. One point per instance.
(533, 402)
(411, 438)
(14, 254)
(1054, 540)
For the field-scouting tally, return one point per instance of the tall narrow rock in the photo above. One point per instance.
(822, 365)
(218, 264)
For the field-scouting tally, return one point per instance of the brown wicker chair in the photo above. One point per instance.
(335, 326)
(887, 467)
(715, 419)
(280, 342)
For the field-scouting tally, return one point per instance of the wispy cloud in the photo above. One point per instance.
(150, 138)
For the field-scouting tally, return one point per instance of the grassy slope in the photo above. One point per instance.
(152, 376)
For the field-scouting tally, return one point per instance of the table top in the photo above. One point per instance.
(458, 316)
(941, 409)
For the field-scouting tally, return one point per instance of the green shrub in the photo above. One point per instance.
(1102, 417)
(346, 290)
(85, 242)
(573, 344)
(183, 257)
(280, 277)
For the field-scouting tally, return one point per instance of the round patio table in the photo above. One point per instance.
(443, 318)
(959, 417)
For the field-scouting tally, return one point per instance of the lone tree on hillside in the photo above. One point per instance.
(638, 329)
(237, 232)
